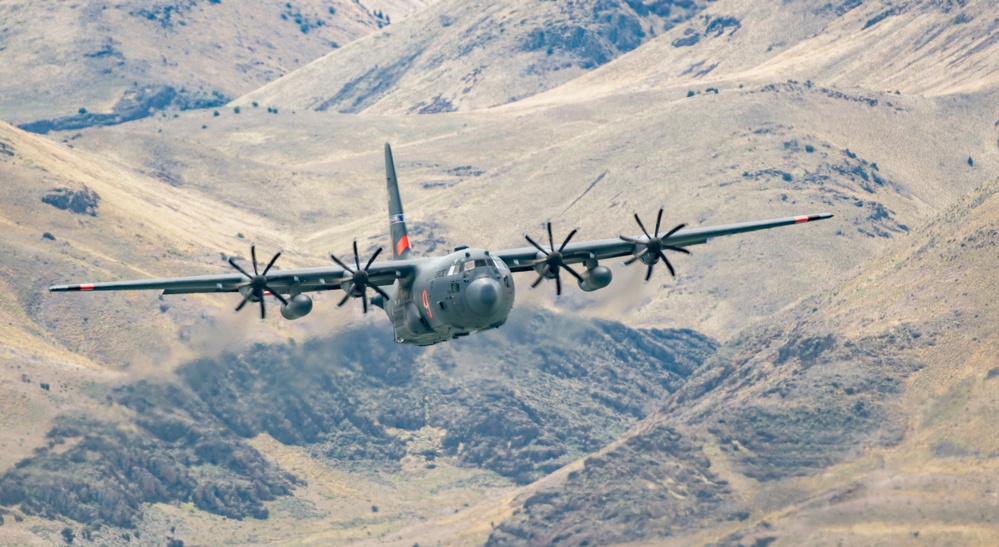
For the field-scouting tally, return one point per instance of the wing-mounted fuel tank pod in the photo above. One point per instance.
(298, 304)
(595, 276)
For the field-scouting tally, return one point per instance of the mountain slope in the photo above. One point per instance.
(871, 393)
(459, 55)
(851, 400)
(924, 47)
(71, 215)
(918, 47)
(58, 57)
(883, 163)
(498, 404)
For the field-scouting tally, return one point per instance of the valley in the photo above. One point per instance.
(821, 385)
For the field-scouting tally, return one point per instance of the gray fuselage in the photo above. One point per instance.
(464, 292)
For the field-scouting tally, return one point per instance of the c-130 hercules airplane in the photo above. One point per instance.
(434, 299)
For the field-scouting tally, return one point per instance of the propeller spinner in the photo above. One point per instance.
(257, 283)
(356, 286)
(553, 263)
(653, 247)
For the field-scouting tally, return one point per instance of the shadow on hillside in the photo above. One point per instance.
(522, 401)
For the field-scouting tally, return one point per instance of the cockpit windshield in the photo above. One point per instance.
(477, 263)
(468, 265)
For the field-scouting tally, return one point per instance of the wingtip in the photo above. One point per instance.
(70, 288)
(812, 218)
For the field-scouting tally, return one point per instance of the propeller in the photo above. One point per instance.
(257, 283)
(359, 281)
(553, 261)
(654, 246)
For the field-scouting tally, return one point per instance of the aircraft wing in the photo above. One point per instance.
(281, 281)
(527, 258)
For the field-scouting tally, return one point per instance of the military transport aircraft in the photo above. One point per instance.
(430, 300)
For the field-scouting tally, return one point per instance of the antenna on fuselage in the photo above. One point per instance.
(401, 247)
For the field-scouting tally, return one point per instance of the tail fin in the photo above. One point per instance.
(401, 248)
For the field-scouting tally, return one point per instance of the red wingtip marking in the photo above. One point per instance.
(803, 218)
(87, 287)
(402, 245)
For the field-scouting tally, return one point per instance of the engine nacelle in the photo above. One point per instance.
(298, 306)
(595, 278)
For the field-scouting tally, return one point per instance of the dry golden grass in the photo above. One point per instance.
(310, 182)
(938, 486)
(59, 56)
(539, 160)
(338, 506)
(925, 48)
(143, 228)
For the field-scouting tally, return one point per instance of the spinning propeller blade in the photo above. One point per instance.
(256, 283)
(356, 286)
(553, 263)
(652, 248)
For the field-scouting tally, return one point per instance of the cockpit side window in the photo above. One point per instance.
(469, 265)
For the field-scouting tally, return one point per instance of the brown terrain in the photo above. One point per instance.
(825, 384)
(58, 57)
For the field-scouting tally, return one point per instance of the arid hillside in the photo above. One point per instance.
(927, 48)
(463, 55)
(860, 416)
(883, 163)
(59, 57)
(817, 384)
(473, 55)
(72, 214)
(719, 146)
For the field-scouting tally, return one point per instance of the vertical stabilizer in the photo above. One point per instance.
(401, 248)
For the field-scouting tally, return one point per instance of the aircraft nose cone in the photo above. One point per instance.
(483, 295)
